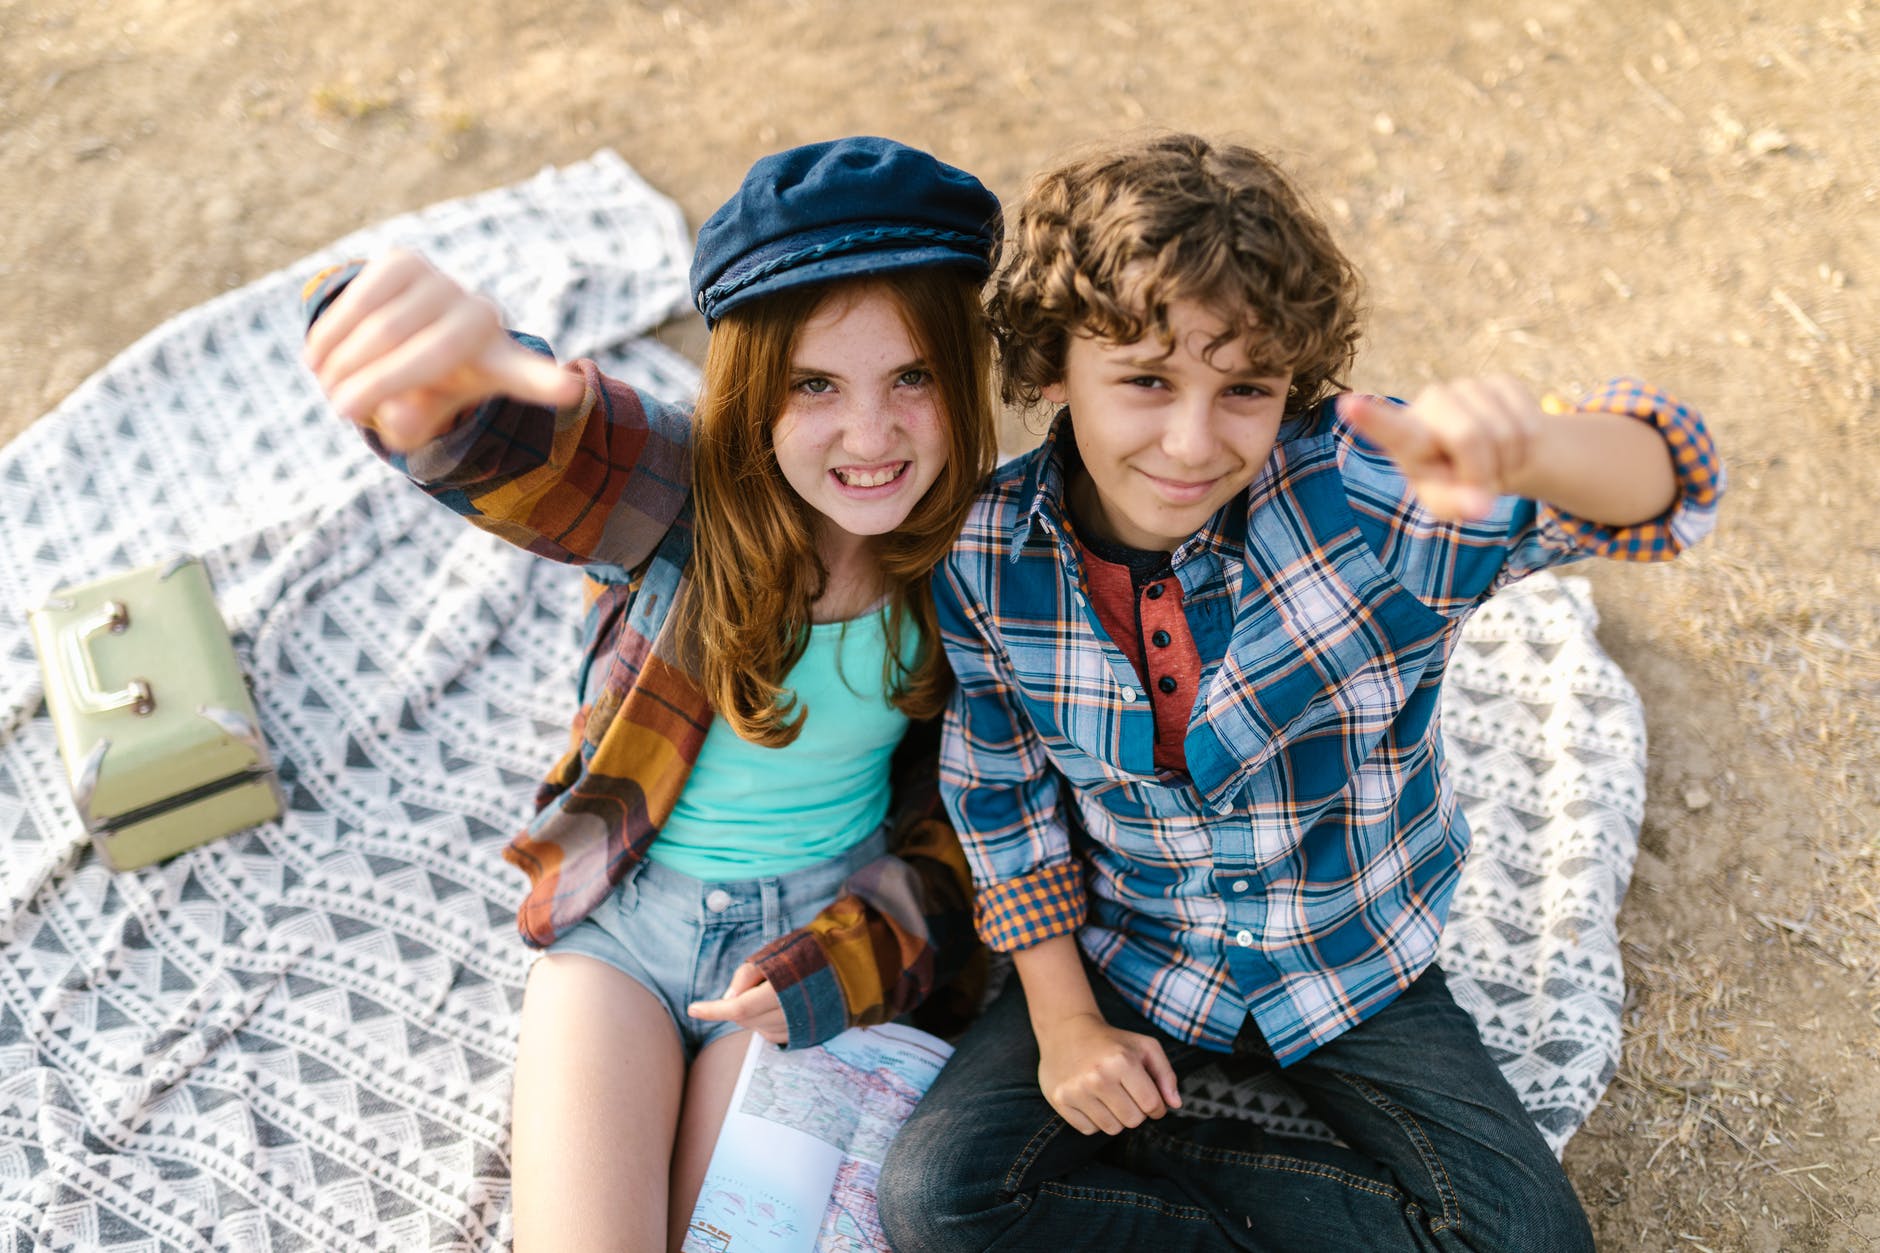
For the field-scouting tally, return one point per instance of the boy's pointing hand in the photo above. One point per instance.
(1460, 444)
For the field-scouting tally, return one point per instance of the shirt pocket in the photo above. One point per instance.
(1085, 713)
(1157, 838)
(1324, 660)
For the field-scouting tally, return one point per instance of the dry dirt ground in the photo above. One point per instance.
(1557, 189)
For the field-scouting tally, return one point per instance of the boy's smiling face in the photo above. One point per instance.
(1167, 436)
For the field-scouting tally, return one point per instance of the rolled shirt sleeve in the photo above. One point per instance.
(1694, 459)
(1001, 790)
(899, 932)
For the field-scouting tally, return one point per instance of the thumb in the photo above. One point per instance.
(529, 376)
(724, 1008)
(1393, 428)
(743, 979)
(1155, 1061)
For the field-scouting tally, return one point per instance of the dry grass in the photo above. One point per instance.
(1752, 1138)
(1683, 189)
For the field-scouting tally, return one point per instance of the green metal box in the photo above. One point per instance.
(153, 715)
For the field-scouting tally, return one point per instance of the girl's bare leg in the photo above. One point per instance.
(707, 1096)
(599, 1071)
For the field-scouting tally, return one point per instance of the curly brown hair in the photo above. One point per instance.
(1105, 241)
(755, 571)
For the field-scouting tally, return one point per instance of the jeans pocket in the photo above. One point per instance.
(626, 895)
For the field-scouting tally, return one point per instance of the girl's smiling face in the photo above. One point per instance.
(862, 434)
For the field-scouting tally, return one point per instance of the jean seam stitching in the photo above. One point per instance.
(1275, 1161)
(1029, 1154)
(1439, 1173)
(1141, 1200)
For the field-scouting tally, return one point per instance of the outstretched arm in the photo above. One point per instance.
(1462, 444)
(560, 460)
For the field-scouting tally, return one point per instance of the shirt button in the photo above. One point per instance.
(1240, 885)
(1129, 694)
(1153, 591)
(1166, 683)
(1244, 939)
(718, 900)
(1160, 639)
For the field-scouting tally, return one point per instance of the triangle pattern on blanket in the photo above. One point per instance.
(302, 1035)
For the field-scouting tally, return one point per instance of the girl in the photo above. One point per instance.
(725, 848)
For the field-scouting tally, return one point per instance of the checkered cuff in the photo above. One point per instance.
(1695, 460)
(323, 288)
(1032, 908)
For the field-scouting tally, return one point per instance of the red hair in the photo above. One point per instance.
(755, 571)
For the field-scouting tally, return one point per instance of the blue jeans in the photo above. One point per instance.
(1441, 1155)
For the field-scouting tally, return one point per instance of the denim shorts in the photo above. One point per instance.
(681, 938)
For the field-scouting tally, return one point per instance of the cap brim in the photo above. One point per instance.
(850, 265)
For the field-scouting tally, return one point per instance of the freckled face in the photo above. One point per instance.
(862, 435)
(1166, 437)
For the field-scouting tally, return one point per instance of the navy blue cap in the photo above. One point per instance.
(840, 209)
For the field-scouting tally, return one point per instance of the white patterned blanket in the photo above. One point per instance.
(301, 1037)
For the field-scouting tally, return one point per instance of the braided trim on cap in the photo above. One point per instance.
(847, 243)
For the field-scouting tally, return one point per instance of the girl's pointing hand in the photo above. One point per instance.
(403, 350)
(750, 1002)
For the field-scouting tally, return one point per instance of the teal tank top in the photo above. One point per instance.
(748, 812)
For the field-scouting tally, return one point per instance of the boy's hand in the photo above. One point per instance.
(1459, 444)
(404, 349)
(1100, 1078)
(750, 1002)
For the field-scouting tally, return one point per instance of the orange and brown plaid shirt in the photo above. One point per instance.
(605, 484)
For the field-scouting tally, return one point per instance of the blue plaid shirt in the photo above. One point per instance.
(1301, 871)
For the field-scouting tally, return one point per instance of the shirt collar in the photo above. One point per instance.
(1224, 535)
(1043, 491)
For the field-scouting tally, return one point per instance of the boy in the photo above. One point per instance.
(1199, 635)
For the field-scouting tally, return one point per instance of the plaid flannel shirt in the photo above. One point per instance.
(1302, 870)
(606, 484)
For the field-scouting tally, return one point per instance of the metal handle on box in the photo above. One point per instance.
(76, 641)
